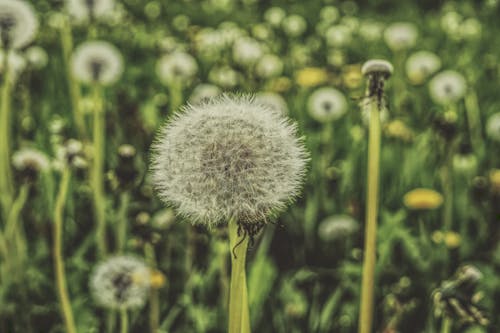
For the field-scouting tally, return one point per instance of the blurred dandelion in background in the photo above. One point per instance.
(326, 104)
(447, 87)
(18, 24)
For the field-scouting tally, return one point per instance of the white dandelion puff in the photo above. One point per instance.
(272, 100)
(421, 65)
(176, 67)
(294, 25)
(447, 87)
(224, 76)
(274, 16)
(18, 24)
(37, 57)
(121, 282)
(326, 104)
(246, 51)
(203, 92)
(30, 159)
(15, 64)
(269, 65)
(401, 36)
(493, 127)
(338, 36)
(84, 10)
(337, 227)
(97, 62)
(229, 157)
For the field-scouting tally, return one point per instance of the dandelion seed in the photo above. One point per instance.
(337, 227)
(230, 157)
(85, 10)
(121, 282)
(97, 62)
(421, 65)
(273, 101)
(176, 67)
(447, 87)
(326, 104)
(493, 127)
(18, 24)
(401, 36)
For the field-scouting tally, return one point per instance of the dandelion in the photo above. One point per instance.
(15, 62)
(338, 36)
(294, 25)
(203, 92)
(329, 14)
(121, 282)
(447, 87)
(246, 51)
(421, 65)
(268, 66)
(493, 127)
(401, 36)
(230, 157)
(177, 67)
(224, 76)
(272, 100)
(97, 62)
(30, 162)
(337, 227)
(371, 31)
(37, 57)
(18, 24)
(326, 104)
(85, 10)
(422, 199)
(311, 77)
(274, 16)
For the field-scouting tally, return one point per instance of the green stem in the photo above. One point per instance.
(446, 325)
(448, 194)
(122, 221)
(366, 312)
(123, 320)
(74, 88)
(239, 317)
(62, 289)
(474, 121)
(98, 171)
(154, 299)
(6, 186)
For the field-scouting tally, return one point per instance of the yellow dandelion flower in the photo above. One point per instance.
(452, 239)
(495, 180)
(311, 77)
(422, 198)
(398, 130)
(352, 76)
(280, 84)
(437, 236)
(158, 279)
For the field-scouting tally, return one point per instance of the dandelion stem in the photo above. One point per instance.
(6, 186)
(98, 170)
(446, 325)
(122, 221)
(62, 289)
(74, 88)
(123, 320)
(239, 317)
(366, 312)
(154, 300)
(474, 120)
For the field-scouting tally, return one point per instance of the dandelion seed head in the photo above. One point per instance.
(203, 92)
(37, 57)
(272, 100)
(493, 127)
(338, 36)
(120, 282)
(176, 67)
(246, 51)
(275, 16)
(401, 36)
(337, 227)
(421, 65)
(18, 24)
(15, 63)
(294, 25)
(97, 62)
(377, 66)
(268, 66)
(326, 104)
(447, 87)
(84, 10)
(30, 159)
(224, 76)
(228, 157)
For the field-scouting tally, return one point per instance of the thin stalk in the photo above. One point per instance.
(98, 171)
(239, 317)
(366, 312)
(474, 121)
(62, 289)
(6, 186)
(18, 253)
(73, 86)
(446, 325)
(123, 320)
(122, 221)
(154, 298)
(447, 184)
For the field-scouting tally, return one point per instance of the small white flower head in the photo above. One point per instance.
(377, 67)
(337, 227)
(447, 87)
(85, 10)
(326, 104)
(329, 14)
(421, 65)
(15, 63)
(230, 157)
(493, 127)
(203, 92)
(275, 16)
(371, 31)
(401, 36)
(121, 282)
(294, 25)
(18, 24)
(471, 29)
(338, 36)
(30, 161)
(97, 62)
(37, 57)
(246, 51)
(224, 76)
(268, 66)
(272, 100)
(176, 67)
